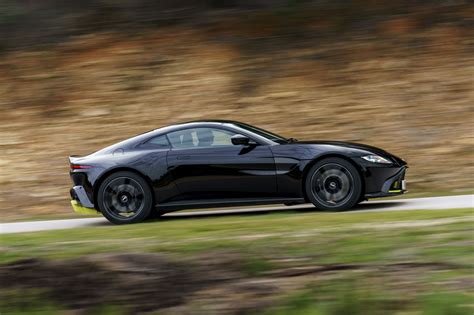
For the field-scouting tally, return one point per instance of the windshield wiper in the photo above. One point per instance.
(291, 140)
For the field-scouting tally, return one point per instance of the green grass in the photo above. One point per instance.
(330, 298)
(27, 301)
(262, 243)
(354, 237)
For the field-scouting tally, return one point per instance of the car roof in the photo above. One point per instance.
(163, 130)
(222, 121)
(207, 121)
(195, 123)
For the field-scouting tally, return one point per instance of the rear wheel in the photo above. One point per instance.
(333, 184)
(125, 197)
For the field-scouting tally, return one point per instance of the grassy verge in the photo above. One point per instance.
(426, 256)
(353, 236)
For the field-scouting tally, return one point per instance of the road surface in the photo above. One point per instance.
(432, 203)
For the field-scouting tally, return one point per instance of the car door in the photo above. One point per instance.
(206, 165)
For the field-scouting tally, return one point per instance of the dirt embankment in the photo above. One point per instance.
(399, 78)
(215, 284)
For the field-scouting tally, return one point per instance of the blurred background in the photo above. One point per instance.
(76, 76)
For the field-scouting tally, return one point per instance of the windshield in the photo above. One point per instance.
(263, 133)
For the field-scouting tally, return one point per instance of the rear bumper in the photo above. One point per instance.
(78, 208)
(80, 201)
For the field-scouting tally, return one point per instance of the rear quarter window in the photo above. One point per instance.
(157, 142)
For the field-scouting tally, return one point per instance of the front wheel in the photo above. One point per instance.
(125, 197)
(333, 184)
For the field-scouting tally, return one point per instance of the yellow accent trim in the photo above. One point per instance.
(395, 191)
(82, 210)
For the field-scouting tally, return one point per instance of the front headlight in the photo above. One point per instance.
(376, 159)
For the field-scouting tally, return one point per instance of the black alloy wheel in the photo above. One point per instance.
(125, 197)
(333, 184)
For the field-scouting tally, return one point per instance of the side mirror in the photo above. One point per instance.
(242, 140)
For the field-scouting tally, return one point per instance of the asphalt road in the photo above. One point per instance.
(432, 203)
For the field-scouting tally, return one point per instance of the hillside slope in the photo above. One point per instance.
(400, 80)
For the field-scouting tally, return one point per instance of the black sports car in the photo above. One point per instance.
(227, 163)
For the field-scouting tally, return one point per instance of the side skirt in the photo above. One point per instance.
(218, 203)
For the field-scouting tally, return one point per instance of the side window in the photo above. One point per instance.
(158, 142)
(222, 137)
(182, 139)
(200, 137)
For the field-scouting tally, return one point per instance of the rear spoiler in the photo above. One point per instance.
(75, 163)
(74, 159)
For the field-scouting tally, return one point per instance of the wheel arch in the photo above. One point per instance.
(109, 172)
(308, 167)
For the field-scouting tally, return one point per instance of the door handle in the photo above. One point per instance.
(183, 157)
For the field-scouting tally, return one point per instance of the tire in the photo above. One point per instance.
(333, 184)
(124, 198)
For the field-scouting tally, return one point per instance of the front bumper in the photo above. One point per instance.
(392, 186)
(80, 201)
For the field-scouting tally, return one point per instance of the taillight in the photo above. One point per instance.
(80, 167)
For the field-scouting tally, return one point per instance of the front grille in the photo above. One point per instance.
(397, 182)
(396, 185)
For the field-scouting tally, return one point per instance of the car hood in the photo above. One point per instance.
(351, 145)
(354, 146)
